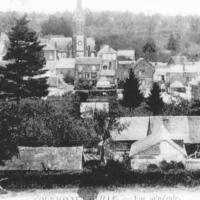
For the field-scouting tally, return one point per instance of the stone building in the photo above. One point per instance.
(144, 71)
(126, 60)
(87, 69)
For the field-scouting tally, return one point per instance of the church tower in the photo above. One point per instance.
(79, 40)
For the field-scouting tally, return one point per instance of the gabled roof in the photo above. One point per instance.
(177, 84)
(194, 130)
(158, 135)
(140, 60)
(52, 158)
(178, 60)
(126, 53)
(106, 50)
(135, 128)
(88, 61)
(177, 126)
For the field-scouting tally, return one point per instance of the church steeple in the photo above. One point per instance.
(79, 30)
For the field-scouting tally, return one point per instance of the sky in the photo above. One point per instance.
(165, 7)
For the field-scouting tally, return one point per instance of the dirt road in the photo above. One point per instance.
(91, 193)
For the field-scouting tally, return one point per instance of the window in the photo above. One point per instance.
(110, 65)
(94, 75)
(80, 75)
(105, 67)
(87, 75)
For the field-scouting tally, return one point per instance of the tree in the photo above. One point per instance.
(57, 26)
(22, 76)
(172, 43)
(8, 131)
(132, 96)
(149, 49)
(154, 101)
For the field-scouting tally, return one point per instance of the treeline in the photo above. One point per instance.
(122, 30)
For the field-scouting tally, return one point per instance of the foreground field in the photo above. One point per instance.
(92, 193)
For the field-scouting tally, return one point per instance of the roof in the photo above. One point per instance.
(177, 84)
(65, 63)
(136, 128)
(177, 126)
(107, 73)
(178, 60)
(159, 134)
(126, 53)
(52, 158)
(142, 60)
(59, 42)
(194, 129)
(106, 50)
(88, 61)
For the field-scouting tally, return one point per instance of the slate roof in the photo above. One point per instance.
(177, 126)
(178, 60)
(51, 158)
(185, 128)
(135, 128)
(88, 61)
(194, 130)
(106, 49)
(159, 134)
(177, 84)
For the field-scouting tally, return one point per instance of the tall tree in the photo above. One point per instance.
(154, 101)
(132, 96)
(149, 50)
(23, 75)
(172, 43)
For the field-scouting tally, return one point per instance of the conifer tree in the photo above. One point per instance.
(132, 96)
(154, 101)
(22, 75)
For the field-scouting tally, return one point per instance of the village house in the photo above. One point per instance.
(87, 69)
(126, 60)
(155, 148)
(144, 71)
(182, 132)
(109, 65)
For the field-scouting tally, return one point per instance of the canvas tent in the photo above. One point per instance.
(46, 158)
(155, 148)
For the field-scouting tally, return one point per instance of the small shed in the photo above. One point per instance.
(46, 158)
(154, 149)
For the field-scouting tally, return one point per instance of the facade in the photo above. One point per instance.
(155, 148)
(126, 60)
(144, 71)
(87, 69)
(109, 64)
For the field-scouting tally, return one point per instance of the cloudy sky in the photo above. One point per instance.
(166, 7)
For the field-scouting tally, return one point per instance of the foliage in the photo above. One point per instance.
(21, 77)
(195, 108)
(8, 130)
(177, 109)
(149, 50)
(172, 43)
(154, 101)
(85, 85)
(132, 96)
(57, 26)
(69, 79)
